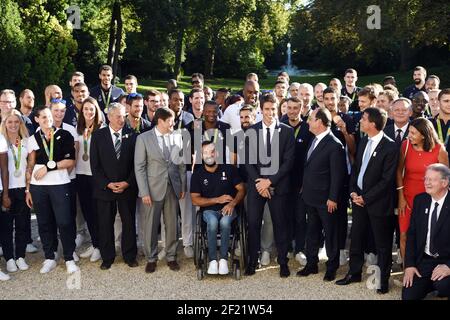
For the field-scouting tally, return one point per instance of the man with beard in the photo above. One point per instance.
(318, 94)
(26, 99)
(419, 76)
(80, 92)
(306, 93)
(216, 189)
(152, 101)
(441, 123)
(105, 93)
(134, 120)
(251, 97)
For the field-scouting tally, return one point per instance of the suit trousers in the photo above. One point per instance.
(422, 286)
(168, 207)
(319, 219)
(383, 232)
(107, 211)
(278, 212)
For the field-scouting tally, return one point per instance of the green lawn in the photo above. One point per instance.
(403, 80)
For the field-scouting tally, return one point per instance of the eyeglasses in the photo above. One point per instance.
(54, 100)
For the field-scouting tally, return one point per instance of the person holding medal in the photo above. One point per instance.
(18, 218)
(89, 121)
(105, 93)
(52, 154)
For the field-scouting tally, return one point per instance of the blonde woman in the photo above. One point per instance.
(16, 219)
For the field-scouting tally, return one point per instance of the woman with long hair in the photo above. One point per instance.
(15, 221)
(421, 149)
(89, 120)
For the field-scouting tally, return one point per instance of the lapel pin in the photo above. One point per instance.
(426, 211)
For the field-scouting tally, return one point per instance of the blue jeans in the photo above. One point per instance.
(212, 219)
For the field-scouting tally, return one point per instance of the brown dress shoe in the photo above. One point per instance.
(173, 265)
(150, 267)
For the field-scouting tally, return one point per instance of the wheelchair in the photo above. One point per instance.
(238, 237)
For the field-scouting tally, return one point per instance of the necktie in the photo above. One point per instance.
(398, 137)
(117, 144)
(433, 228)
(166, 152)
(268, 146)
(311, 148)
(364, 164)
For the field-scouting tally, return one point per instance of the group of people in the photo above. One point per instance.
(294, 158)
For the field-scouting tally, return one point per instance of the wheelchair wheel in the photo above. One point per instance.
(236, 270)
(198, 239)
(200, 274)
(243, 239)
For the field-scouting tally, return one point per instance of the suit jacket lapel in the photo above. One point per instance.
(444, 213)
(108, 137)
(376, 151)
(154, 140)
(322, 143)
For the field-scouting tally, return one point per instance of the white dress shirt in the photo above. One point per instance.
(161, 136)
(320, 136)
(441, 203)
(113, 136)
(375, 141)
(271, 128)
(402, 128)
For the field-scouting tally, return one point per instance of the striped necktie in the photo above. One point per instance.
(117, 144)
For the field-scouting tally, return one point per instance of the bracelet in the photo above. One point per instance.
(400, 188)
(27, 190)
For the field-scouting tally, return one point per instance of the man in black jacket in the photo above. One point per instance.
(427, 260)
(323, 181)
(373, 173)
(112, 164)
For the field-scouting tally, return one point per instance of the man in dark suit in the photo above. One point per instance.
(427, 259)
(112, 164)
(398, 131)
(373, 173)
(271, 153)
(323, 180)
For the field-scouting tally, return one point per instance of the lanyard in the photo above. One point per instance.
(439, 130)
(297, 131)
(216, 131)
(52, 144)
(106, 101)
(19, 153)
(86, 137)
(180, 120)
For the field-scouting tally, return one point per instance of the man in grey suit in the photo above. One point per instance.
(161, 178)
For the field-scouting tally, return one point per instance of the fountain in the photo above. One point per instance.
(293, 70)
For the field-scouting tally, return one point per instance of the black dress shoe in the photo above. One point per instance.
(383, 289)
(132, 264)
(284, 271)
(348, 279)
(173, 265)
(329, 276)
(306, 271)
(250, 270)
(150, 267)
(105, 265)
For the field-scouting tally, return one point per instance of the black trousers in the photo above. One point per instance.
(17, 219)
(88, 205)
(52, 204)
(383, 231)
(73, 202)
(342, 219)
(107, 211)
(422, 286)
(300, 223)
(278, 212)
(319, 219)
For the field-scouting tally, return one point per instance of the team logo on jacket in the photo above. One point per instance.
(205, 182)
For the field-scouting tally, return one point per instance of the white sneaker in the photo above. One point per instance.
(4, 276)
(75, 257)
(162, 254)
(213, 268)
(371, 259)
(343, 257)
(48, 266)
(223, 267)
(265, 258)
(11, 266)
(323, 254)
(86, 254)
(301, 258)
(96, 255)
(399, 257)
(79, 240)
(71, 267)
(21, 264)
(188, 252)
(1, 252)
(31, 248)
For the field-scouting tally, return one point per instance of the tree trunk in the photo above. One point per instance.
(209, 70)
(118, 41)
(179, 45)
(112, 31)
